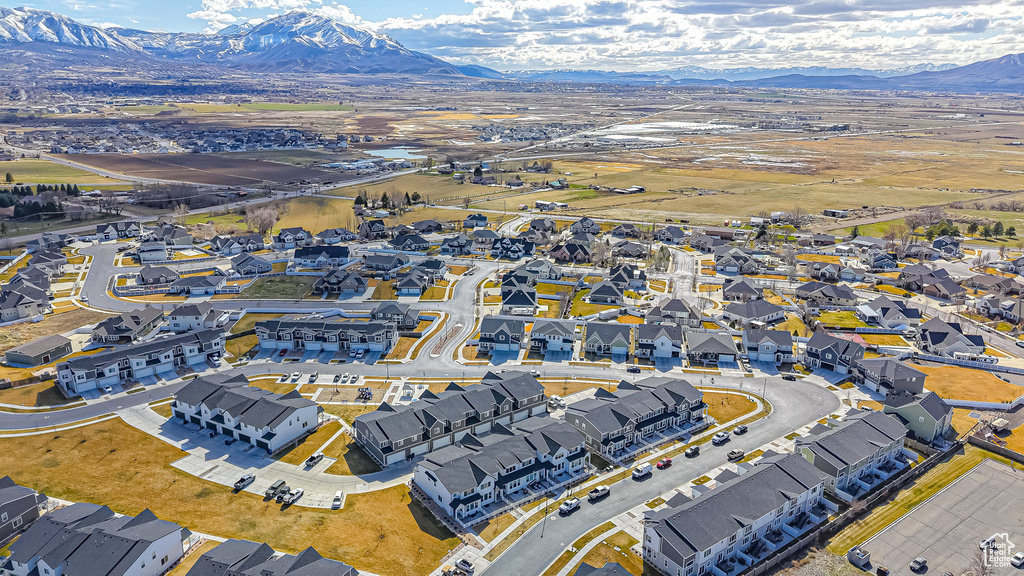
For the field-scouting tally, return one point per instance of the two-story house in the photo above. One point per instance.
(658, 341)
(826, 352)
(501, 335)
(326, 335)
(775, 346)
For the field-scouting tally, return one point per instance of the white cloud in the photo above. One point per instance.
(659, 34)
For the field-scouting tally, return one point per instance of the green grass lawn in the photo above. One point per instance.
(842, 319)
(279, 288)
(581, 308)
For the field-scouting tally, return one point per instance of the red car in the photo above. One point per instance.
(283, 352)
(664, 463)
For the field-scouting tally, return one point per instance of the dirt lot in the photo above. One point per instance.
(19, 334)
(204, 169)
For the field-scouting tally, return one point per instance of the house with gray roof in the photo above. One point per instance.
(572, 252)
(586, 225)
(480, 476)
(152, 275)
(155, 357)
(228, 405)
(115, 230)
(889, 313)
(412, 283)
(201, 316)
(373, 229)
(458, 245)
(628, 277)
(338, 281)
(501, 335)
(775, 346)
(519, 301)
(91, 540)
(19, 508)
(512, 248)
(39, 351)
(753, 313)
(326, 335)
(127, 327)
(321, 256)
(606, 292)
(608, 339)
(671, 235)
(948, 339)
(926, 415)
(398, 314)
(289, 238)
(857, 454)
(820, 293)
(617, 424)
(395, 432)
(709, 348)
(409, 243)
(738, 523)
(553, 336)
(245, 558)
(885, 375)
(206, 285)
(475, 221)
(385, 262)
(658, 341)
(674, 311)
(826, 352)
(250, 265)
(609, 569)
(231, 245)
(171, 236)
(336, 236)
(741, 290)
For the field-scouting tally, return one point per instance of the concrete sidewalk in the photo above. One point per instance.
(211, 459)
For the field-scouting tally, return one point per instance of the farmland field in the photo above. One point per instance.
(203, 169)
(46, 172)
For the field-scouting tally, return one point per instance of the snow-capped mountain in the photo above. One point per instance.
(30, 25)
(294, 42)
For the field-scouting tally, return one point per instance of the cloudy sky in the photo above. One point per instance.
(627, 34)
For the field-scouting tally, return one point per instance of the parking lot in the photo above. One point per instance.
(947, 529)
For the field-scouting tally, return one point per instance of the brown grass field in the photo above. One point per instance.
(967, 384)
(129, 471)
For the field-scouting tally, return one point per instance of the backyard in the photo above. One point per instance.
(279, 288)
(966, 384)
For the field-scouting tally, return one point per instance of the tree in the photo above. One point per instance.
(181, 213)
(408, 199)
(9, 178)
(986, 231)
(109, 204)
(385, 201)
(478, 172)
(972, 228)
(415, 197)
(1011, 231)
(262, 219)
(360, 201)
(855, 232)
(997, 229)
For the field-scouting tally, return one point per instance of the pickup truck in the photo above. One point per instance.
(293, 496)
(283, 493)
(314, 459)
(244, 481)
(598, 493)
(569, 505)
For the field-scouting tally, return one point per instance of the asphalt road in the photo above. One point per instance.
(25, 421)
(795, 404)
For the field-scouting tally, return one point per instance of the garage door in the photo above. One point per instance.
(395, 458)
(421, 448)
(442, 442)
(245, 438)
(211, 426)
(482, 428)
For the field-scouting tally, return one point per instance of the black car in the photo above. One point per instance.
(740, 430)
(789, 377)
(692, 452)
(633, 369)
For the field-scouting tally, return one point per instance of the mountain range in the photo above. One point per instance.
(302, 42)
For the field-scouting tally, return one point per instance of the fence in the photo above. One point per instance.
(849, 516)
(991, 367)
(992, 447)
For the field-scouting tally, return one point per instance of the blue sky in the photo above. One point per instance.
(626, 34)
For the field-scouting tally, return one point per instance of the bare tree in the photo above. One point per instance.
(262, 219)
(109, 204)
(979, 563)
(798, 216)
(181, 213)
(915, 220)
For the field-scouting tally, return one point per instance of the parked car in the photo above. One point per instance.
(108, 390)
(1019, 343)
(244, 481)
(274, 489)
(313, 377)
(336, 503)
(293, 496)
(598, 493)
(919, 564)
(1018, 560)
(569, 505)
(282, 353)
(642, 470)
(283, 378)
(692, 451)
(720, 438)
(465, 565)
(740, 430)
(283, 493)
(789, 377)
(295, 376)
(337, 378)
(534, 373)
(314, 459)
(664, 463)
(987, 543)
(633, 369)
(736, 454)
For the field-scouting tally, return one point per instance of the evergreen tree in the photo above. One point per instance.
(1011, 231)
(986, 231)
(998, 229)
(360, 201)
(408, 200)
(855, 232)
(415, 197)
(9, 178)
(75, 191)
(972, 228)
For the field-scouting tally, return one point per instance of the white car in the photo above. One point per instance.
(569, 505)
(642, 470)
(336, 503)
(720, 438)
(108, 390)
(296, 376)
(294, 496)
(1018, 560)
